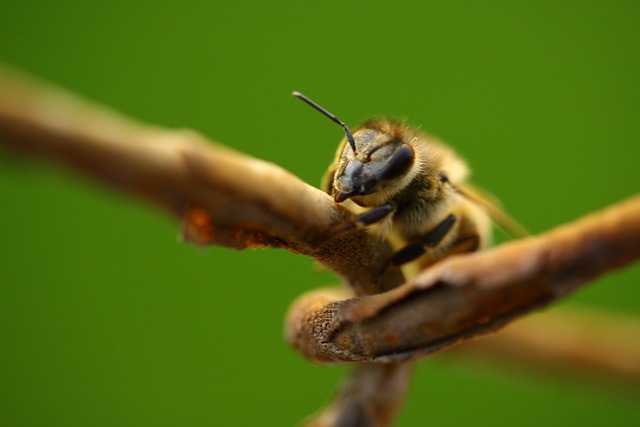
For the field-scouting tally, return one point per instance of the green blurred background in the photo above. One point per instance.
(107, 320)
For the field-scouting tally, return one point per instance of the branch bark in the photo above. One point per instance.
(467, 295)
(223, 197)
(584, 342)
(226, 198)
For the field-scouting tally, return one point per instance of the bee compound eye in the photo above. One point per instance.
(399, 163)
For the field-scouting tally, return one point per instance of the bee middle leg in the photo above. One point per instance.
(431, 240)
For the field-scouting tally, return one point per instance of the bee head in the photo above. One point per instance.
(376, 162)
(379, 164)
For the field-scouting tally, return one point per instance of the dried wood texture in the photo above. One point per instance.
(223, 197)
(371, 396)
(566, 340)
(468, 295)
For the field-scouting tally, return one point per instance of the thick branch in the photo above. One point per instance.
(223, 197)
(230, 199)
(467, 295)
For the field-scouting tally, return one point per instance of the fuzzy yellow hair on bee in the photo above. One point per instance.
(411, 189)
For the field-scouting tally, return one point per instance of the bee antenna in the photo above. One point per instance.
(347, 131)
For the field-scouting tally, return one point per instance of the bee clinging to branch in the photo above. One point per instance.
(410, 189)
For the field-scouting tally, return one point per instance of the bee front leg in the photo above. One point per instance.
(431, 240)
(372, 216)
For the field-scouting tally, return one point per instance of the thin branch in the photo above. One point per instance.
(223, 197)
(565, 340)
(467, 295)
(371, 396)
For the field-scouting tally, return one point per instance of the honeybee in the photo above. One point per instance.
(411, 189)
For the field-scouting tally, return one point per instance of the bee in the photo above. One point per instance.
(412, 190)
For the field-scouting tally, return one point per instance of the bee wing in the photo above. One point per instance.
(493, 208)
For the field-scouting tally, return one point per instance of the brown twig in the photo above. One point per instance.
(468, 295)
(563, 340)
(223, 197)
(371, 396)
